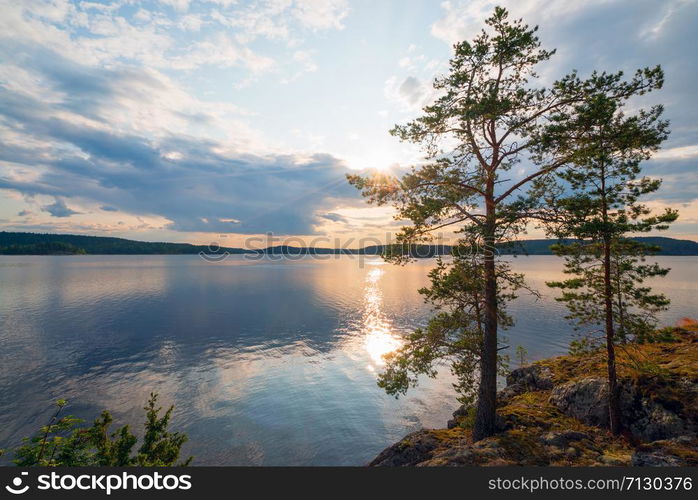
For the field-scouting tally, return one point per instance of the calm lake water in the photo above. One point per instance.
(267, 362)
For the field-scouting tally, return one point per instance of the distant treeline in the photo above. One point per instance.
(36, 243)
(667, 246)
(43, 248)
(71, 244)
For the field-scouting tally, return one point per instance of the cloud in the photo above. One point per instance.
(208, 185)
(58, 209)
(611, 36)
(334, 217)
(128, 106)
(412, 90)
(217, 33)
(305, 59)
(463, 19)
(221, 51)
(305, 63)
(204, 192)
(119, 136)
(180, 5)
(321, 14)
(410, 93)
(680, 153)
(281, 20)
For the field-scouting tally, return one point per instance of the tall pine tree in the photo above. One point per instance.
(597, 206)
(489, 117)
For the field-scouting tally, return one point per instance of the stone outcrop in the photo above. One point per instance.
(525, 379)
(647, 420)
(585, 400)
(555, 412)
(665, 453)
(413, 449)
(531, 378)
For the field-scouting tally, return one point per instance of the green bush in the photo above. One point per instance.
(65, 442)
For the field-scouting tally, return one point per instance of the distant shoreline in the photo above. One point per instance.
(18, 243)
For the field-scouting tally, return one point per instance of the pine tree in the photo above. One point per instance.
(454, 335)
(488, 117)
(597, 205)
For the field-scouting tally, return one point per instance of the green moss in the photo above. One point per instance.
(523, 448)
(455, 434)
(533, 409)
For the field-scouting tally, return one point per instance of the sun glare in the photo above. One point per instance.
(379, 339)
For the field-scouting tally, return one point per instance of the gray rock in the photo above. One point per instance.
(647, 420)
(414, 448)
(506, 394)
(525, 379)
(458, 415)
(562, 439)
(531, 378)
(586, 400)
(664, 453)
(655, 459)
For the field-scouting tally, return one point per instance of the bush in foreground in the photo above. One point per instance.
(64, 441)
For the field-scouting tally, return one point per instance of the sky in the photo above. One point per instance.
(223, 120)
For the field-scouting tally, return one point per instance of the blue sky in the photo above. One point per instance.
(185, 121)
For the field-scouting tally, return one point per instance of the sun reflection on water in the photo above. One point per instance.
(379, 339)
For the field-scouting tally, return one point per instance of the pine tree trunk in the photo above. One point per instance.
(485, 417)
(613, 389)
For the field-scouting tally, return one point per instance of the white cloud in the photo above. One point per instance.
(463, 19)
(679, 153)
(180, 5)
(190, 22)
(221, 51)
(108, 35)
(321, 14)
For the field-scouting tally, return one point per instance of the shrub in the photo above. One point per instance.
(65, 442)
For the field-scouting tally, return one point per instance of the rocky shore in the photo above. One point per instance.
(554, 412)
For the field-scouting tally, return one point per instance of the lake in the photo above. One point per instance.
(269, 362)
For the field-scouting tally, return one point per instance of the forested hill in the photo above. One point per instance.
(669, 246)
(36, 244)
(12, 243)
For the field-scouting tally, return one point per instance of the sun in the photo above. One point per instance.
(376, 160)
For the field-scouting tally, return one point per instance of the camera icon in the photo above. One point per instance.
(15, 489)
